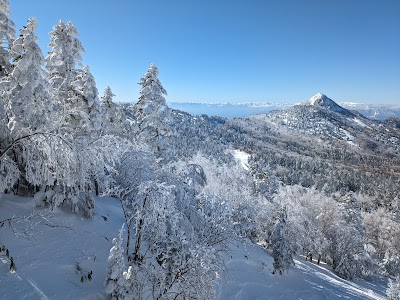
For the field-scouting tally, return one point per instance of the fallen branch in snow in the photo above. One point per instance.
(15, 219)
(58, 226)
(4, 250)
(23, 225)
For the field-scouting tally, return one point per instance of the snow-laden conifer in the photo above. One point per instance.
(7, 36)
(108, 97)
(281, 249)
(113, 116)
(63, 58)
(84, 110)
(152, 112)
(151, 92)
(28, 100)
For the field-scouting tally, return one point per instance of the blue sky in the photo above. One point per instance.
(235, 50)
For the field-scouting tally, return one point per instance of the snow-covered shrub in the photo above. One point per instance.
(115, 281)
(393, 289)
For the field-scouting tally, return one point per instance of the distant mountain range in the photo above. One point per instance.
(239, 110)
(374, 111)
(228, 110)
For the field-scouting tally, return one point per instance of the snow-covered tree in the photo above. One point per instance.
(350, 256)
(7, 36)
(28, 101)
(152, 112)
(63, 59)
(281, 249)
(108, 97)
(234, 185)
(151, 93)
(84, 114)
(265, 181)
(307, 209)
(9, 173)
(393, 289)
(115, 281)
(383, 235)
(175, 237)
(167, 251)
(112, 114)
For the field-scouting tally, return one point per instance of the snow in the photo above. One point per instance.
(48, 246)
(359, 122)
(131, 122)
(242, 157)
(345, 134)
(316, 98)
(250, 276)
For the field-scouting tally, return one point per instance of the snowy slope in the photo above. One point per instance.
(48, 246)
(250, 276)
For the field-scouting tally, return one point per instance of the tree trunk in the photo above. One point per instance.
(139, 234)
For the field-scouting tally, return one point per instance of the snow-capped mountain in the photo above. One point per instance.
(321, 116)
(322, 101)
(240, 110)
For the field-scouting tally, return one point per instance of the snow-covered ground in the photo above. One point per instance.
(55, 251)
(250, 276)
(242, 157)
(49, 248)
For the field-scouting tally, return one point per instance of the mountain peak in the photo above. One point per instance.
(322, 101)
(319, 99)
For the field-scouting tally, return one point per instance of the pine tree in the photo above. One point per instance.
(84, 104)
(62, 60)
(29, 104)
(7, 36)
(108, 97)
(281, 249)
(113, 115)
(151, 93)
(152, 112)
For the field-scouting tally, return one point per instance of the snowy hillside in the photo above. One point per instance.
(55, 251)
(249, 277)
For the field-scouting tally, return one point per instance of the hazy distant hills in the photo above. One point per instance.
(228, 110)
(239, 110)
(374, 111)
